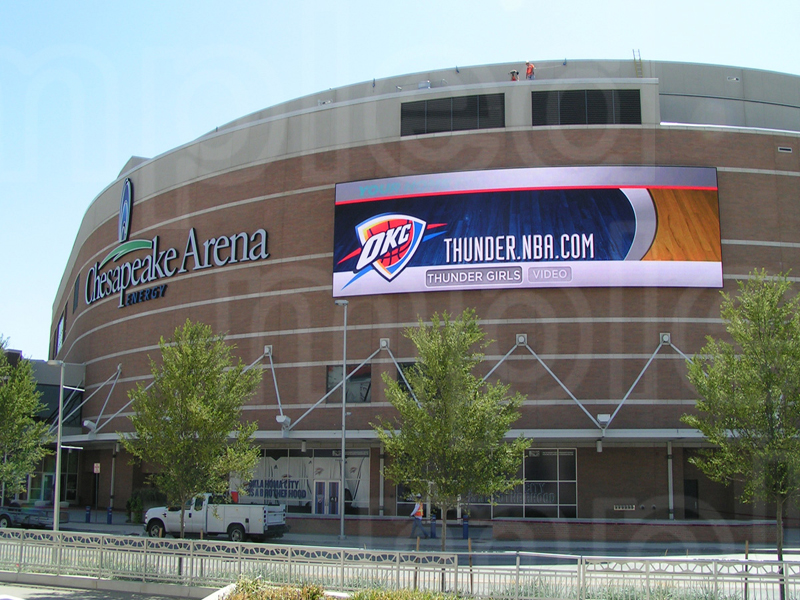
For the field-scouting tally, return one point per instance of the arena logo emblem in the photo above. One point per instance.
(388, 243)
(125, 206)
(161, 264)
(124, 227)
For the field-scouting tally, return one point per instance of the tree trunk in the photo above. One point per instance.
(779, 508)
(183, 515)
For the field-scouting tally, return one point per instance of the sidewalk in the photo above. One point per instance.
(480, 537)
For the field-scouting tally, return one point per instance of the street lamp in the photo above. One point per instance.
(57, 490)
(344, 414)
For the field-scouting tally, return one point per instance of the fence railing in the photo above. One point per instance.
(505, 576)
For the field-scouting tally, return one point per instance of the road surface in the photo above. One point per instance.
(25, 592)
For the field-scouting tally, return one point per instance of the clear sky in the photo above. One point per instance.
(86, 85)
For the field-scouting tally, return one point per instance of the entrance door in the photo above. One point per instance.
(691, 499)
(326, 497)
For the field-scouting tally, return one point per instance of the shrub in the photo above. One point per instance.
(142, 499)
(255, 589)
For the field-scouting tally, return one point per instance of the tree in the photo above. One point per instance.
(750, 395)
(188, 423)
(22, 436)
(448, 439)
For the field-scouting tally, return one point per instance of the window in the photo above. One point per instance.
(572, 107)
(359, 383)
(627, 107)
(49, 400)
(405, 367)
(58, 339)
(41, 483)
(486, 111)
(586, 107)
(551, 487)
(549, 490)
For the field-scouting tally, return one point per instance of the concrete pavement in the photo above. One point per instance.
(33, 592)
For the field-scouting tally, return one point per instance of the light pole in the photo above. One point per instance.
(57, 490)
(344, 414)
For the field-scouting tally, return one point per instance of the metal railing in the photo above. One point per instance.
(511, 576)
(692, 579)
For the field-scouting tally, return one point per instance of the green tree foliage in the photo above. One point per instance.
(188, 423)
(449, 442)
(22, 436)
(750, 394)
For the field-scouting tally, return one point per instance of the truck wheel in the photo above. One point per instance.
(236, 533)
(155, 529)
(5, 521)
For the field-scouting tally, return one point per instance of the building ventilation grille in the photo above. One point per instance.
(485, 111)
(586, 107)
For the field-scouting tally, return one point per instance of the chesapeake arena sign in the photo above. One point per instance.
(144, 278)
(528, 228)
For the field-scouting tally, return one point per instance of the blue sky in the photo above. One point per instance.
(86, 85)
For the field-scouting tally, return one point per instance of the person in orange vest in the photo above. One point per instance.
(417, 515)
(529, 67)
(514, 75)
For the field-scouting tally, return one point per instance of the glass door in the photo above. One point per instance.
(326, 497)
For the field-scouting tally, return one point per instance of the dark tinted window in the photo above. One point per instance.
(572, 107)
(491, 111)
(485, 111)
(439, 115)
(599, 107)
(567, 493)
(465, 113)
(545, 108)
(412, 118)
(566, 465)
(541, 465)
(359, 383)
(628, 107)
(586, 107)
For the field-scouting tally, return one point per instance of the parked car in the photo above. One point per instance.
(29, 516)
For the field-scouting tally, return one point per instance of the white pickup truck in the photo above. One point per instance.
(206, 516)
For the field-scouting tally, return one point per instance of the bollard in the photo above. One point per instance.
(108, 516)
(465, 526)
(88, 514)
(433, 527)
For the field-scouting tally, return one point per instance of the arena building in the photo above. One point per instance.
(590, 216)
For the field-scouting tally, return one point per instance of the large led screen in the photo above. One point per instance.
(528, 228)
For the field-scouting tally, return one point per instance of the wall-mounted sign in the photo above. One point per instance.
(528, 228)
(291, 479)
(110, 276)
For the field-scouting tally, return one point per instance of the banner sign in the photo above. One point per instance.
(528, 228)
(291, 480)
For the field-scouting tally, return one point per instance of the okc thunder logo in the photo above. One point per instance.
(388, 242)
(125, 202)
